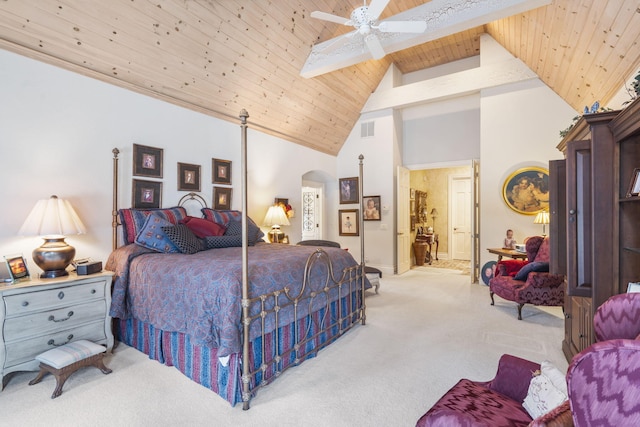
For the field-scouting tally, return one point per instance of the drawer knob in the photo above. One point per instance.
(60, 295)
(93, 291)
(53, 319)
(53, 343)
(25, 303)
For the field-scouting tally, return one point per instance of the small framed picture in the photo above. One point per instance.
(221, 171)
(221, 198)
(634, 185)
(188, 177)
(17, 267)
(146, 194)
(348, 221)
(349, 190)
(371, 208)
(147, 161)
(413, 223)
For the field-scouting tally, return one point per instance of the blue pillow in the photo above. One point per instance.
(254, 234)
(184, 239)
(212, 242)
(532, 266)
(152, 237)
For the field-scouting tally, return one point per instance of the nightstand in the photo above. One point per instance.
(41, 314)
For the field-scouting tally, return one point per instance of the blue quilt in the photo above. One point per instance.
(200, 294)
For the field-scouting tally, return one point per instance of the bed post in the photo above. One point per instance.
(361, 227)
(114, 211)
(246, 368)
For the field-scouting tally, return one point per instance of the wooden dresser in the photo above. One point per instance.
(594, 222)
(40, 314)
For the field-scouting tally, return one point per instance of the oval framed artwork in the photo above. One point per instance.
(526, 190)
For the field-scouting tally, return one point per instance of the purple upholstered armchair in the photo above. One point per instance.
(603, 382)
(529, 282)
(604, 379)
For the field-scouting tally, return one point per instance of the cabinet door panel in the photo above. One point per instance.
(579, 224)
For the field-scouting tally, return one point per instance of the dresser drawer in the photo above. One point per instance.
(43, 322)
(24, 351)
(17, 305)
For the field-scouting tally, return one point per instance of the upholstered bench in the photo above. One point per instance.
(63, 361)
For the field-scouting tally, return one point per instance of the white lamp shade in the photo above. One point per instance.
(52, 217)
(275, 216)
(542, 218)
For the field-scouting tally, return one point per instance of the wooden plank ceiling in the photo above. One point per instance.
(218, 57)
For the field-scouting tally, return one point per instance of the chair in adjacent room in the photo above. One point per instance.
(529, 282)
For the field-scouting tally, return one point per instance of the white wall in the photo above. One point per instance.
(57, 131)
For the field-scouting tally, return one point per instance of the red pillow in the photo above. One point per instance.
(512, 266)
(202, 227)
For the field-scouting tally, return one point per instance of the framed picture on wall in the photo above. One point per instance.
(348, 222)
(147, 161)
(188, 177)
(349, 190)
(634, 185)
(221, 198)
(371, 208)
(526, 191)
(146, 194)
(221, 171)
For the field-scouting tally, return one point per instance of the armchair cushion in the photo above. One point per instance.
(532, 266)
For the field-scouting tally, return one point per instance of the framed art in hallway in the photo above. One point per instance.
(349, 190)
(147, 161)
(188, 177)
(526, 191)
(348, 222)
(634, 185)
(146, 194)
(221, 170)
(221, 198)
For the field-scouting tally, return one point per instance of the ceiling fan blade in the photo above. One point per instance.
(376, 7)
(402, 26)
(331, 18)
(376, 49)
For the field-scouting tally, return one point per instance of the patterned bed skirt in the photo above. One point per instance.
(281, 349)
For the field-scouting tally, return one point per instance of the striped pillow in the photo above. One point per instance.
(133, 220)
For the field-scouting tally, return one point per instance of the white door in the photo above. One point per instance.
(403, 253)
(311, 213)
(460, 193)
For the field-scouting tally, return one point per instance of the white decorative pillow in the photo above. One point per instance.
(543, 395)
(556, 376)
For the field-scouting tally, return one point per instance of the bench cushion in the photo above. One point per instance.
(67, 354)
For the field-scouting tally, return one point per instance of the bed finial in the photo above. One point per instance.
(244, 115)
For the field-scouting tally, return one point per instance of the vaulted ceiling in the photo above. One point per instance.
(218, 57)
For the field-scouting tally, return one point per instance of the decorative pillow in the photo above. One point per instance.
(133, 220)
(183, 238)
(511, 266)
(211, 242)
(202, 227)
(222, 217)
(542, 396)
(532, 266)
(151, 236)
(556, 376)
(234, 228)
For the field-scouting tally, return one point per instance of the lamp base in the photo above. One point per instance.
(53, 257)
(276, 236)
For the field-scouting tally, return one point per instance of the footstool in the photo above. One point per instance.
(374, 275)
(63, 361)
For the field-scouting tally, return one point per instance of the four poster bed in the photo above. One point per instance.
(230, 318)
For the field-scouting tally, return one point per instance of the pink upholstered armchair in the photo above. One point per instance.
(529, 282)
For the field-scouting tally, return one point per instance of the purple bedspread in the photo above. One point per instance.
(200, 294)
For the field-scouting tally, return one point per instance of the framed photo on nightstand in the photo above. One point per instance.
(17, 267)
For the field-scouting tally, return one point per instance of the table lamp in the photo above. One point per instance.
(275, 218)
(542, 218)
(52, 219)
(434, 215)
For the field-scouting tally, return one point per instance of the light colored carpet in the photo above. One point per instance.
(425, 331)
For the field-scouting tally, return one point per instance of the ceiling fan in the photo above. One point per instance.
(365, 21)
(429, 21)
